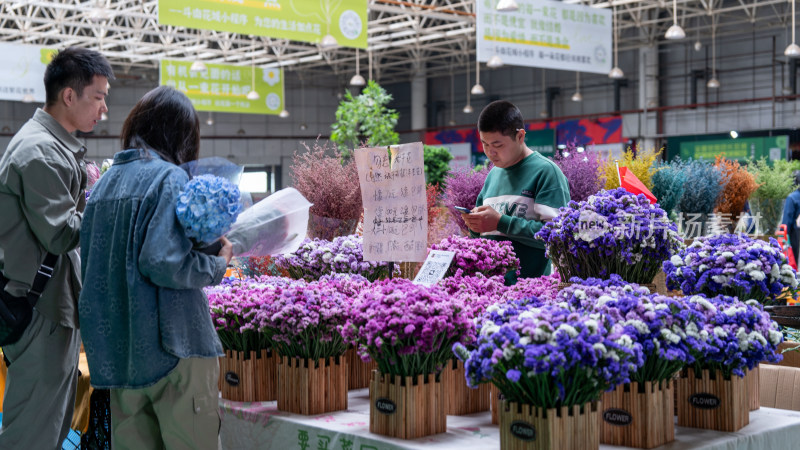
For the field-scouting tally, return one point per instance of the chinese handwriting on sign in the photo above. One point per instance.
(395, 205)
(324, 442)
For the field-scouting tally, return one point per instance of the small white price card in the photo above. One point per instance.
(434, 267)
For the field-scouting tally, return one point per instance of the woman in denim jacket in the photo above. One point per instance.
(144, 319)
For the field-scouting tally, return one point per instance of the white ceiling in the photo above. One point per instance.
(403, 35)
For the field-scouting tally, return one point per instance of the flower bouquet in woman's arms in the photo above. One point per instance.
(207, 208)
(477, 255)
(318, 257)
(613, 232)
(734, 265)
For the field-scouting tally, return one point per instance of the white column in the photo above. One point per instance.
(419, 99)
(648, 93)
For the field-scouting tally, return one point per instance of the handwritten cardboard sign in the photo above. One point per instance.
(395, 204)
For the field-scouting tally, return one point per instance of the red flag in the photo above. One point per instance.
(630, 183)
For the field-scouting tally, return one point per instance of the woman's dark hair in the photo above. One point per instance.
(502, 117)
(76, 68)
(164, 121)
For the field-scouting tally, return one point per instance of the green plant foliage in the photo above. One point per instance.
(365, 118)
(437, 164)
(774, 182)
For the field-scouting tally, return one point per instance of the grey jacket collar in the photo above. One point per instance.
(58, 131)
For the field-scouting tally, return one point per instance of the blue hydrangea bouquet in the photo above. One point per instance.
(734, 265)
(207, 208)
(612, 232)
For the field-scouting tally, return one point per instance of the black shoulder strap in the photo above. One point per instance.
(43, 275)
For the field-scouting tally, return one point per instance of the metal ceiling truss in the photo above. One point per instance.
(434, 38)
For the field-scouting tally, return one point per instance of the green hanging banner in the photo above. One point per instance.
(224, 88)
(297, 20)
(742, 149)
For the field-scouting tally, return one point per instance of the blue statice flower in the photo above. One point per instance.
(550, 356)
(612, 232)
(731, 264)
(207, 207)
(736, 335)
(702, 188)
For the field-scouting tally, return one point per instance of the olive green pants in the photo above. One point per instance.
(180, 411)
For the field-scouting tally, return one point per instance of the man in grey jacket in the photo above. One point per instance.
(42, 182)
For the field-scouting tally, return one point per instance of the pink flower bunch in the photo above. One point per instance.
(476, 291)
(544, 288)
(406, 328)
(479, 255)
(304, 320)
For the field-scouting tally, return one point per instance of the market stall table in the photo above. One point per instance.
(247, 426)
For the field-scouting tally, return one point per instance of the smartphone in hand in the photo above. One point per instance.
(463, 210)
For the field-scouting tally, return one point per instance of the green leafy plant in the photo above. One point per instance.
(365, 119)
(437, 164)
(775, 181)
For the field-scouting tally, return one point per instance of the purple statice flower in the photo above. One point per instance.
(583, 293)
(736, 335)
(234, 306)
(304, 320)
(478, 255)
(582, 169)
(407, 329)
(463, 187)
(207, 207)
(544, 288)
(612, 232)
(551, 357)
(318, 257)
(731, 264)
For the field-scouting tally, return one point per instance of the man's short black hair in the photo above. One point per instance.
(76, 68)
(500, 116)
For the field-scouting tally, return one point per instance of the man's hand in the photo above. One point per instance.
(482, 219)
(227, 250)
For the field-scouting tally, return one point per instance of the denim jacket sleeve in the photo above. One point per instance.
(166, 257)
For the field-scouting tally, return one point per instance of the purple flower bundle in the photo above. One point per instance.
(304, 320)
(551, 356)
(737, 335)
(731, 264)
(476, 291)
(582, 170)
(407, 329)
(612, 232)
(544, 288)
(349, 284)
(234, 307)
(463, 187)
(318, 257)
(586, 292)
(658, 323)
(478, 255)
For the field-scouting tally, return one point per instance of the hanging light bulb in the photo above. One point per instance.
(99, 13)
(253, 95)
(616, 73)
(328, 42)
(675, 31)
(713, 83)
(210, 120)
(198, 67)
(577, 97)
(103, 117)
(698, 46)
(468, 109)
(357, 79)
(283, 114)
(477, 89)
(507, 6)
(792, 51)
(28, 98)
(303, 126)
(494, 62)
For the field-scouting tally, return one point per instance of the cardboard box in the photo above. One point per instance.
(780, 387)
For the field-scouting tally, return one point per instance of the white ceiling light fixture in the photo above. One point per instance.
(577, 97)
(452, 100)
(793, 50)
(713, 83)
(616, 73)
(99, 12)
(468, 108)
(357, 79)
(103, 117)
(284, 112)
(28, 98)
(507, 6)
(198, 67)
(494, 62)
(477, 89)
(210, 120)
(675, 32)
(253, 95)
(328, 42)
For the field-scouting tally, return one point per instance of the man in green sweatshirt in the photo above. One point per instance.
(521, 192)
